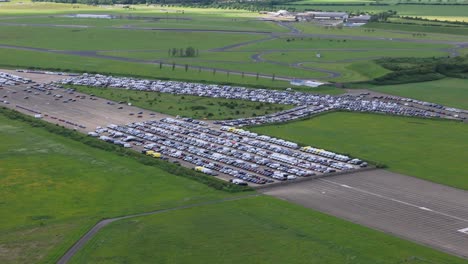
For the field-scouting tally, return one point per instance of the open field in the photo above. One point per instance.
(455, 30)
(329, 56)
(115, 39)
(352, 71)
(429, 149)
(440, 12)
(228, 41)
(48, 203)
(186, 105)
(382, 32)
(449, 91)
(324, 43)
(180, 21)
(253, 230)
(26, 59)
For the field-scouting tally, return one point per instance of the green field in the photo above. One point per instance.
(115, 39)
(378, 32)
(330, 56)
(53, 189)
(440, 12)
(47, 204)
(82, 44)
(187, 105)
(60, 62)
(434, 150)
(180, 21)
(449, 91)
(352, 71)
(253, 230)
(455, 30)
(323, 43)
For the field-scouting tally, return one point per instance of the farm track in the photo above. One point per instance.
(103, 223)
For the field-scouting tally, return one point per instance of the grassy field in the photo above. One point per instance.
(253, 230)
(450, 91)
(203, 56)
(187, 105)
(343, 44)
(347, 56)
(133, 51)
(352, 71)
(115, 39)
(368, 31)
(185, 21)
(440, 12)
(457, 30)
(434, 150)
(25, 59)
(53, 189)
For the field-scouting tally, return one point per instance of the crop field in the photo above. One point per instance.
(54, 189)
(449, 91)
(186, 105)
(253, 230)
(429, 149)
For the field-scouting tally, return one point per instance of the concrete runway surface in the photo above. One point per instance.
(428, 213)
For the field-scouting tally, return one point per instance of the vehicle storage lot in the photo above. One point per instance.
(307, 103)
(85, 112)
(223, 151)
(239, 153)
(414, 209)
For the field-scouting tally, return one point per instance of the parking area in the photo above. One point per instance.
(307, 103)
(70, 109)
(222, 151)
(422, 211)
(253, 158)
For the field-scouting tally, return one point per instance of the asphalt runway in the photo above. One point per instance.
(427, 213)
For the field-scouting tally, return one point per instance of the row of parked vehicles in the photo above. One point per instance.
(239, 153)
(307, 103)
(12, 80)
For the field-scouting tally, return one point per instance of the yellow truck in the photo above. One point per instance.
(153, 154)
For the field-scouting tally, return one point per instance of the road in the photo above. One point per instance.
(103, 223)
(427, 213)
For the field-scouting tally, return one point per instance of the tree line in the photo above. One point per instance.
(180, 52)
(408, 70)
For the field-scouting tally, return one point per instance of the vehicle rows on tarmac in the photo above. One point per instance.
(307, 103)
(212, 150)
(12, 80)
